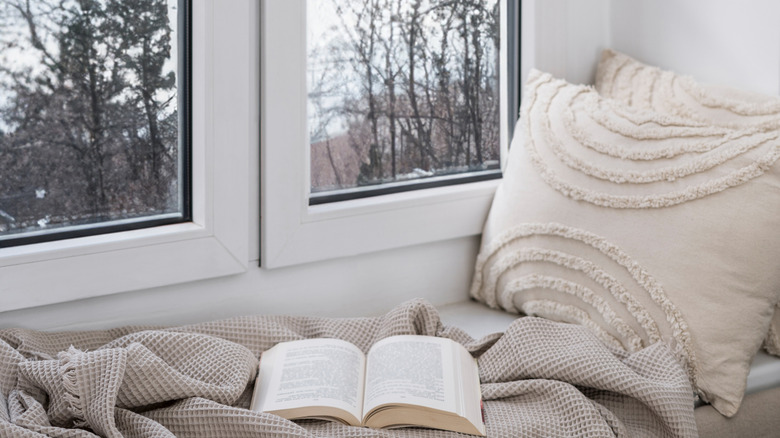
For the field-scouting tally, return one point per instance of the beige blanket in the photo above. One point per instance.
(539, 378)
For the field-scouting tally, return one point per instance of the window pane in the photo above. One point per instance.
(401, 90)
(89, 116)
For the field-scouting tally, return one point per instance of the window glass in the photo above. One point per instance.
(401, 91)
(92, 116)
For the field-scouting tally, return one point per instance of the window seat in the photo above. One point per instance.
(479, 320)
(757, 416)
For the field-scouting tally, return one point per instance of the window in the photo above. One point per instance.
(296, 227)
(219, 239)
(94, 117)
(401, 95)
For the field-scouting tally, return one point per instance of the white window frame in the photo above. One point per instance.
(294, 232)
(217, 241)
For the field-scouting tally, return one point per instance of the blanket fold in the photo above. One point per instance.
(539, 378)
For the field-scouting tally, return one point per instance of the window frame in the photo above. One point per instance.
(216, 242)
(293, 232)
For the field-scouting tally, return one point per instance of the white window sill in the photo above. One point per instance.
(385, 222)
(404, 200)
(49, 273)
(99, 244)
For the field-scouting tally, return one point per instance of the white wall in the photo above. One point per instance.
(724, 41)
(735, 43)
(727, 42)
(564, 37)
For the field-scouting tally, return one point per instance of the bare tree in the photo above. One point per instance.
(420, 96)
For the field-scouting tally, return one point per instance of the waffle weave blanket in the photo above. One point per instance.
(539, 379)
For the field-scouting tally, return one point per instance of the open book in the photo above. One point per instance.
(403, 381)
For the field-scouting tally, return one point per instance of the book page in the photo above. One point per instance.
(312, 372)
(413, 370)
(470, 402)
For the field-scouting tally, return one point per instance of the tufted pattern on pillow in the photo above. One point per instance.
(638, 85)
(640, 225)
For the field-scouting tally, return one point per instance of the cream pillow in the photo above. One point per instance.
(633, 83)
(638, 85)
(645, 227)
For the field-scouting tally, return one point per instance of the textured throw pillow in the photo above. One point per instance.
(623, 78)
(639, 85)
(644, 227)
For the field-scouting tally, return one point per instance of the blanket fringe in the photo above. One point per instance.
(72, 397)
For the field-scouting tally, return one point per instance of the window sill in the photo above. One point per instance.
(53, 272)
(406, 200)
(373, 224)
(40, 252)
